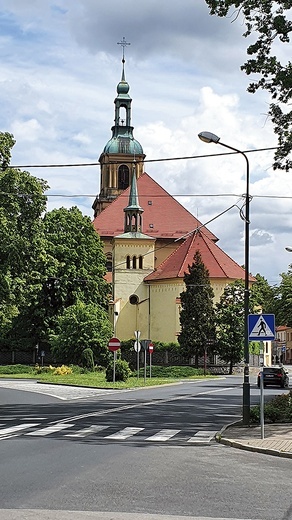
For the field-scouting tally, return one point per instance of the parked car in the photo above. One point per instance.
(275, 376)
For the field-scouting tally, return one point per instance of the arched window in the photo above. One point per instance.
(140, 262)
(134, 262)
(123, 177)
(128, 262)
(109, 262)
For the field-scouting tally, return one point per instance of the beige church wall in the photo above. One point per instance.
(132, 318)
(165, 307)
(163, 250)
(137, 247)
(164, 324)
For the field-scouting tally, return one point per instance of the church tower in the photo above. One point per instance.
(133, 260)
(122, 154)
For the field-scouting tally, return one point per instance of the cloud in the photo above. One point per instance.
(60, 64)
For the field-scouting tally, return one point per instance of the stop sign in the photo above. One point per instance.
(150, 348)
(114, 344)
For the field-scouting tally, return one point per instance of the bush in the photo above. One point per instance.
(87, 359)
(16, 369)
(43, 370)
(122, 371)
(278, 409)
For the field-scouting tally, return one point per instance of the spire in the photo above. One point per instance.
(123, 86)
(117, 160)
(133, 212)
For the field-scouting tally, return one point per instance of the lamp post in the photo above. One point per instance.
(209, 137)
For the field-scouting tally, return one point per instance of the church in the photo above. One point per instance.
(149, 238)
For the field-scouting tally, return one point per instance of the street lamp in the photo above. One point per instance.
(209, 137)
(289, 249)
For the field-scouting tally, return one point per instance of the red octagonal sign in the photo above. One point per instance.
(114, 344)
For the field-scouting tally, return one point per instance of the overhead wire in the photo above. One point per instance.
(164, 159)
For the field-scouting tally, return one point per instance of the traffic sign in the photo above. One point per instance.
(150, 348)
(283, 348)
(137, 346)
(145, 343)
(261, 327)
(114, 344)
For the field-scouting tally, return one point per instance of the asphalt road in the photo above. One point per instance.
(80, 453)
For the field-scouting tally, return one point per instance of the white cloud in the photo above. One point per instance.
(60, 64)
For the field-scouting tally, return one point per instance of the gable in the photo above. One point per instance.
(218, 263)
(163, 216)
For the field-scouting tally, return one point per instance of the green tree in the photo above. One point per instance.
(22, 203)
(267, 22)
(262, 295)
(75, 260)
(230, 324)
(80, 327)
(7, 142)
(283, 300)
(197, 313)
(72, 270)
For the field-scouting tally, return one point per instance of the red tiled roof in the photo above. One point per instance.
(218, 263)
(163, 216)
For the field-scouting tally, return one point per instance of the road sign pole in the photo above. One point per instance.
(114, 372)
(137, 336)
(262, 397)
(150, 362)
(145, 364)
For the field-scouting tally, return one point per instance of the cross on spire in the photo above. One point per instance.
(124, 44)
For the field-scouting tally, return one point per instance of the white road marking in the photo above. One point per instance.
(19, 427)
(203, 436)
(124, 434)
(163, 435)
(86, 431)
(50, 429)
(62, 392)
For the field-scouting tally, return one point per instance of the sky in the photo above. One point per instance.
(59, 68)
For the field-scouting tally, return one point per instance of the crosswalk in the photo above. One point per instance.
(107, 433)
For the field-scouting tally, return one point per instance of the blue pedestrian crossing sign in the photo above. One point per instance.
(261, 327)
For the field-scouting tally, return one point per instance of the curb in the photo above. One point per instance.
(248, 447)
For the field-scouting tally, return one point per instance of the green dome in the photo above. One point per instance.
(124, 145)
(123, 87)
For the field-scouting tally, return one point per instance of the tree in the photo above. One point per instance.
(230, 324)
(72, 270)
(79, 327)
(269, 22)
(283, 300)
(262, 295)
(48, 261)
(22, 203)
(7, 142)
(76, 263)
(197, 313)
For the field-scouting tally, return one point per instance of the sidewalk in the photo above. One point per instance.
(277, 438)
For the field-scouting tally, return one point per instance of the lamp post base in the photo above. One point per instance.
(246, 404)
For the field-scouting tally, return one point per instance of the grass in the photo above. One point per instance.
(160, 376)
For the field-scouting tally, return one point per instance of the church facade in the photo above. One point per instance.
(149, 238)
